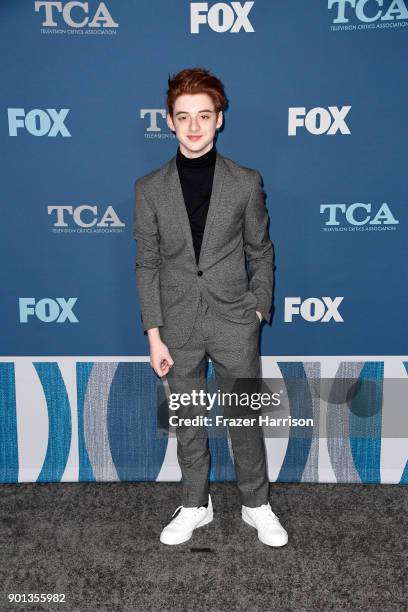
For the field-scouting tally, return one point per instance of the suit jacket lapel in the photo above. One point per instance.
(178, 200)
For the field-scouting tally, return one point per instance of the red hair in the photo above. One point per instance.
(194, 81)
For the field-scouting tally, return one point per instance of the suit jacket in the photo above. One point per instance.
(235, 269)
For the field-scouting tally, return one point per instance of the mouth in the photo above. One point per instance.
(193, 138)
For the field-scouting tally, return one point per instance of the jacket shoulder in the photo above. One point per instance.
(241, 172)
(152, 178)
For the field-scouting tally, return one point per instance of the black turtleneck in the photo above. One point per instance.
(196, 178)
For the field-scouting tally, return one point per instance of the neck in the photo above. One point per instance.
(194, 154)
(207, 159)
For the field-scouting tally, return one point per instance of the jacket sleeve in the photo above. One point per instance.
(148, 259)
(258, 249)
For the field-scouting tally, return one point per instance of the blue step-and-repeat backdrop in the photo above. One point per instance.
(318, 104)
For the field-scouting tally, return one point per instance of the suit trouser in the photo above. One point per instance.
(234, 351)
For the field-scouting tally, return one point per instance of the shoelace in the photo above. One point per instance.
(182, 514)
(176, 510)
(266, 512)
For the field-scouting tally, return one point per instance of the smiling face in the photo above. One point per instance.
(195, 122)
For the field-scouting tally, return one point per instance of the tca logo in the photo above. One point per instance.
(358, 214)
(47, 310)
(101, 17)
(38, 122)
(318, 120)
(313, 309)
(79, 214)
(364, 10)
(221, 17)
(153, 113)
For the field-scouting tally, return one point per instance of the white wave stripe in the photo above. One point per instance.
(394, 451)
(170, 469)
(32, 420)
(275, 448)
(67, 368)
(95, 421)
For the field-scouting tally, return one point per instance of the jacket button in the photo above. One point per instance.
(200, 273)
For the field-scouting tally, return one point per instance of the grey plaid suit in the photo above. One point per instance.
(207, 309)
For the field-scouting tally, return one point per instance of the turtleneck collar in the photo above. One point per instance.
(207, 159)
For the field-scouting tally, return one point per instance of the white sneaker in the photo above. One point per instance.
(181, 528)
(270, 531)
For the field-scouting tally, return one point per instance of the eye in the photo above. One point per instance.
(205, 116)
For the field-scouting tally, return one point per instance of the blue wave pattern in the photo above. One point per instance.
(120, 415)
(8, 425)
(123, 434)
(83, 371)
(59, 421)
(298, 449)
(365, 416)
(135, 400)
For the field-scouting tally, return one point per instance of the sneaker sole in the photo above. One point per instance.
(249, 521)
(202, 524)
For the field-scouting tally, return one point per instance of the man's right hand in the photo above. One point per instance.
(160, 358)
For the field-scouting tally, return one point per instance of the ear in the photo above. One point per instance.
(170, 122)
(220, 119)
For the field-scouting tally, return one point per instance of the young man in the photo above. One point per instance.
(204, 270)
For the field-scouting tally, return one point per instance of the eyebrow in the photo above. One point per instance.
(206, 110)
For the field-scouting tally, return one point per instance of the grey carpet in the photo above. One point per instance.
(98, 544)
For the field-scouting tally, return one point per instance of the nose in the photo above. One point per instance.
(194, 127)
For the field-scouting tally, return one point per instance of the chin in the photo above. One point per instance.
(195, 146)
